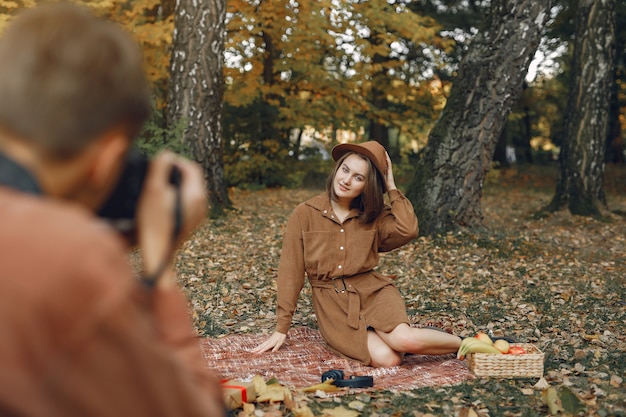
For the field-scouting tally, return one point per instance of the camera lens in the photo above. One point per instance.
(334, 374)
(121, 206)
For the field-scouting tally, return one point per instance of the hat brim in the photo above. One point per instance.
(344, 148)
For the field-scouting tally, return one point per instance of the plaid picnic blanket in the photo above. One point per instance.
(303, 358)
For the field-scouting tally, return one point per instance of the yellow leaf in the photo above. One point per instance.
(248, 410)
(357, 405)
(340, 412)
(551, 398)
(303, 412)
(273, 393)
(259, 384)
(326, 386)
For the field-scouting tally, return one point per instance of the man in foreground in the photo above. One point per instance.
(80, 335)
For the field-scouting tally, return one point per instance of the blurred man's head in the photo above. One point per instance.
(73, 95)
(67, 77)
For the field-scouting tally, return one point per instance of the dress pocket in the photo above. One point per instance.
(317, 246)
(362, 250)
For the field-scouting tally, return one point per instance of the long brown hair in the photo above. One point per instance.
(370, 202)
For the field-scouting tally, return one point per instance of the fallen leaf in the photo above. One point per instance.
(467, 412)
(570, 401)
(248, 410)
(357, 405)
(616, 381)
(303, 412)
(326, 386)
(541, 384)
(339, 412)
(273, 393)
(551, 398)
(259, 384)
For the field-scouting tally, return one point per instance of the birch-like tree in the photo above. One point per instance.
(196, 89)
(447, 186)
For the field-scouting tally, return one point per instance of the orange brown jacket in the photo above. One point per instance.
(79, 335)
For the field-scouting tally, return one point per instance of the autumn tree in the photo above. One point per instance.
(394, 43)
(447, 186)
(327, 65)
(196, 89)
(580, 184)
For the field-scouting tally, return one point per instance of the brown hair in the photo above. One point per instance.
(371, 201)
(66, 77)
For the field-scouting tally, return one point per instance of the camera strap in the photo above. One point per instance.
(175, 180)
(353, 381)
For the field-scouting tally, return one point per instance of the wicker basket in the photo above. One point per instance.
(527, 365)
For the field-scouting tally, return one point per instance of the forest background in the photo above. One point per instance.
(295, 78)
(300, 77)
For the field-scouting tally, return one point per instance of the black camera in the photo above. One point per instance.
(120, 208)
(339, 380)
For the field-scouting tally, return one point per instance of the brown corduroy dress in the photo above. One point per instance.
(339, 259)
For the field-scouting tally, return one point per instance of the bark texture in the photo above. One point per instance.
(580, 185)
(447, 185)
(197, 89)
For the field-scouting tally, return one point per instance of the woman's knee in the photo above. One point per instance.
(407, 340)
(386, 359)
(381, 354)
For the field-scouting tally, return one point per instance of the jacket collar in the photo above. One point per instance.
(322, 204)
(15, 176)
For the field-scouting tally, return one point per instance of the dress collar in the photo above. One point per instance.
(321, 203)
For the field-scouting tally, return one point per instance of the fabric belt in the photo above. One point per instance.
(338, 284)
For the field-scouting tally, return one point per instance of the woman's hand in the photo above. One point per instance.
(389, 181)
(274, 343)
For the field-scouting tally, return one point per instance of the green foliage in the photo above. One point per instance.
(270, 165)
(156, 137)
(258, 167)
(315, 64)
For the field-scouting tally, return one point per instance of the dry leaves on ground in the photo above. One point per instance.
(555, 281)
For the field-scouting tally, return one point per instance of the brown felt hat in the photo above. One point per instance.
(371, 149)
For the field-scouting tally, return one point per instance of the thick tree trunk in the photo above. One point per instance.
(580, 185)
(447, 185)
(197, 88)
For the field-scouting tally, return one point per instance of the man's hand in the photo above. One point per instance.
(274, 343)
(156, 208)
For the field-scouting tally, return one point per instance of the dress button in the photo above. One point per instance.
(325, 211)
(341, 230)
(339, 267)
(340, 247)
(332, 217)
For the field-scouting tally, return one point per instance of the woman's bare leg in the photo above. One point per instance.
(380, 352)
(420, 341)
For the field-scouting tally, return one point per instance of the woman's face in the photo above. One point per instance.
(350, 177)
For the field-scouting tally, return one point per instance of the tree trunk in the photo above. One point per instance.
(580, 184)
(378, 130)
(447, 185)
(197, 88)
